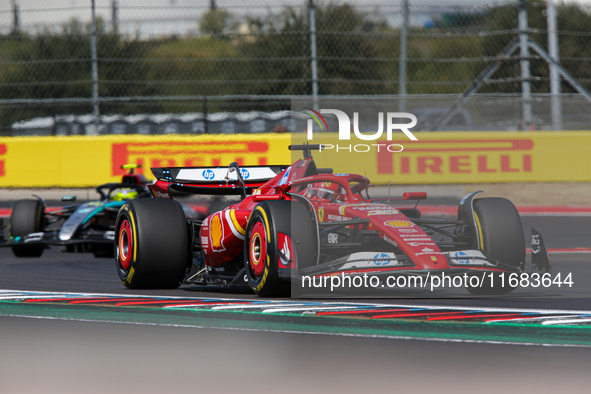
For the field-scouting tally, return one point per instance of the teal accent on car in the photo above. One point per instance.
(111, 204)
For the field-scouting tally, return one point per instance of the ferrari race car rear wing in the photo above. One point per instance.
(233, 179)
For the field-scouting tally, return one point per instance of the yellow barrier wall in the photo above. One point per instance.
(435, 158)
(467, 157)
(90, 161)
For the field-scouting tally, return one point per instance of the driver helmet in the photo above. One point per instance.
(123, 194)
(326, 191)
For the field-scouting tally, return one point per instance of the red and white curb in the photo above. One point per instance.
(344, 309)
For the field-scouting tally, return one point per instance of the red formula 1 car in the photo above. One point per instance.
(300, 222)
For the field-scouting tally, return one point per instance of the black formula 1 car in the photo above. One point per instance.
(87, 227)
(302, 222)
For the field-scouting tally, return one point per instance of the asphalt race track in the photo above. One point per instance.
(69, 325)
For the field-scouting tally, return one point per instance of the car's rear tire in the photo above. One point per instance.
(26, 218)
(499, 236)
(152, 244)
(265, 238)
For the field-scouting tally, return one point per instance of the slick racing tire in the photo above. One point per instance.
(499, 236)
(152, 244)
(270, 242)
(26, 218)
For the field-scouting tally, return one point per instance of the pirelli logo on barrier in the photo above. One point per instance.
(459, 156)
(187, 154)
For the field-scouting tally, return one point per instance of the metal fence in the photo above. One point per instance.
(66, 59)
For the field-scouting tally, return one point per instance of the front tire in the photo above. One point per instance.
(152, 244)
(26, 218)
(499, 236)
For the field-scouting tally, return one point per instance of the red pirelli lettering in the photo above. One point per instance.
(187, 154)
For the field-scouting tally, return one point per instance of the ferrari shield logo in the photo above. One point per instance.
(321, 214)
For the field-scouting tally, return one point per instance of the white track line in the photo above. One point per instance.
(193, 306)
(511, 320)
(305, 309)
(30, 297)
(252, 306)
(568, 321)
